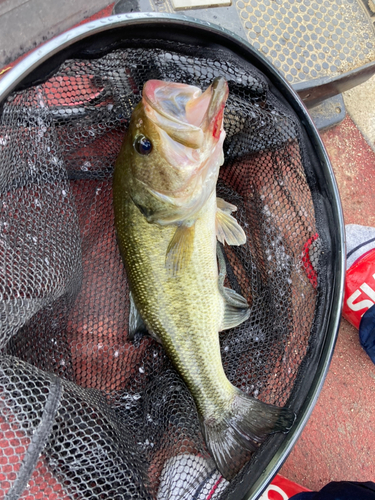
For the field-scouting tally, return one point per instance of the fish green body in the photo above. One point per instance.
(184, 311)
(167, 229)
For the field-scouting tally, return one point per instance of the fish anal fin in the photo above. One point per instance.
(180, 249)
(228, 230)
(236, 308)
(234, 299)
(237, 432)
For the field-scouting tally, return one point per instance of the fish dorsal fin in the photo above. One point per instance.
(180, 248)
(227, 228)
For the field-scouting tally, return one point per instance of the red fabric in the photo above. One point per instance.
(282, 488)
(359, 288)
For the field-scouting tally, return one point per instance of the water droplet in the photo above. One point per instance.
(86, 166)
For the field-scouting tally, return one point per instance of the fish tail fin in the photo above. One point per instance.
(241, 429)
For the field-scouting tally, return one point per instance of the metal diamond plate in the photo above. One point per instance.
(308, 39)
(304, 39)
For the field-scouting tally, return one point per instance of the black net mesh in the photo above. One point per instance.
(84, 411)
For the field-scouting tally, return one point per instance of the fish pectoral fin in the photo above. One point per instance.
(180, 248)
(145, 211)
(234, 299)
(227, 228)
(225, 206)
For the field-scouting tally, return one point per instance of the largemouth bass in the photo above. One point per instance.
(168, 220)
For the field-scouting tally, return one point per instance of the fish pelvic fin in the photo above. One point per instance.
(235, 434)
(137, 326)
(180, 249)
(225, 206)
(227, 228)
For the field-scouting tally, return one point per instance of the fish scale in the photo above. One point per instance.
(170, 304)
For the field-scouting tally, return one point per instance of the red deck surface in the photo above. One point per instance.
(338, 442)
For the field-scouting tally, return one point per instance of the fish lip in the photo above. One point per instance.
(220, 92)
(149, 90)
(170, 117)
(180, 131)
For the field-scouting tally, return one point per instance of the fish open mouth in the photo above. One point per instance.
(186, 114)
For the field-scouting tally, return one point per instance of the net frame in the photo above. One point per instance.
(96, 38)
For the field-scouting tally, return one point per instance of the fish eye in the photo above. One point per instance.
(142, 145)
